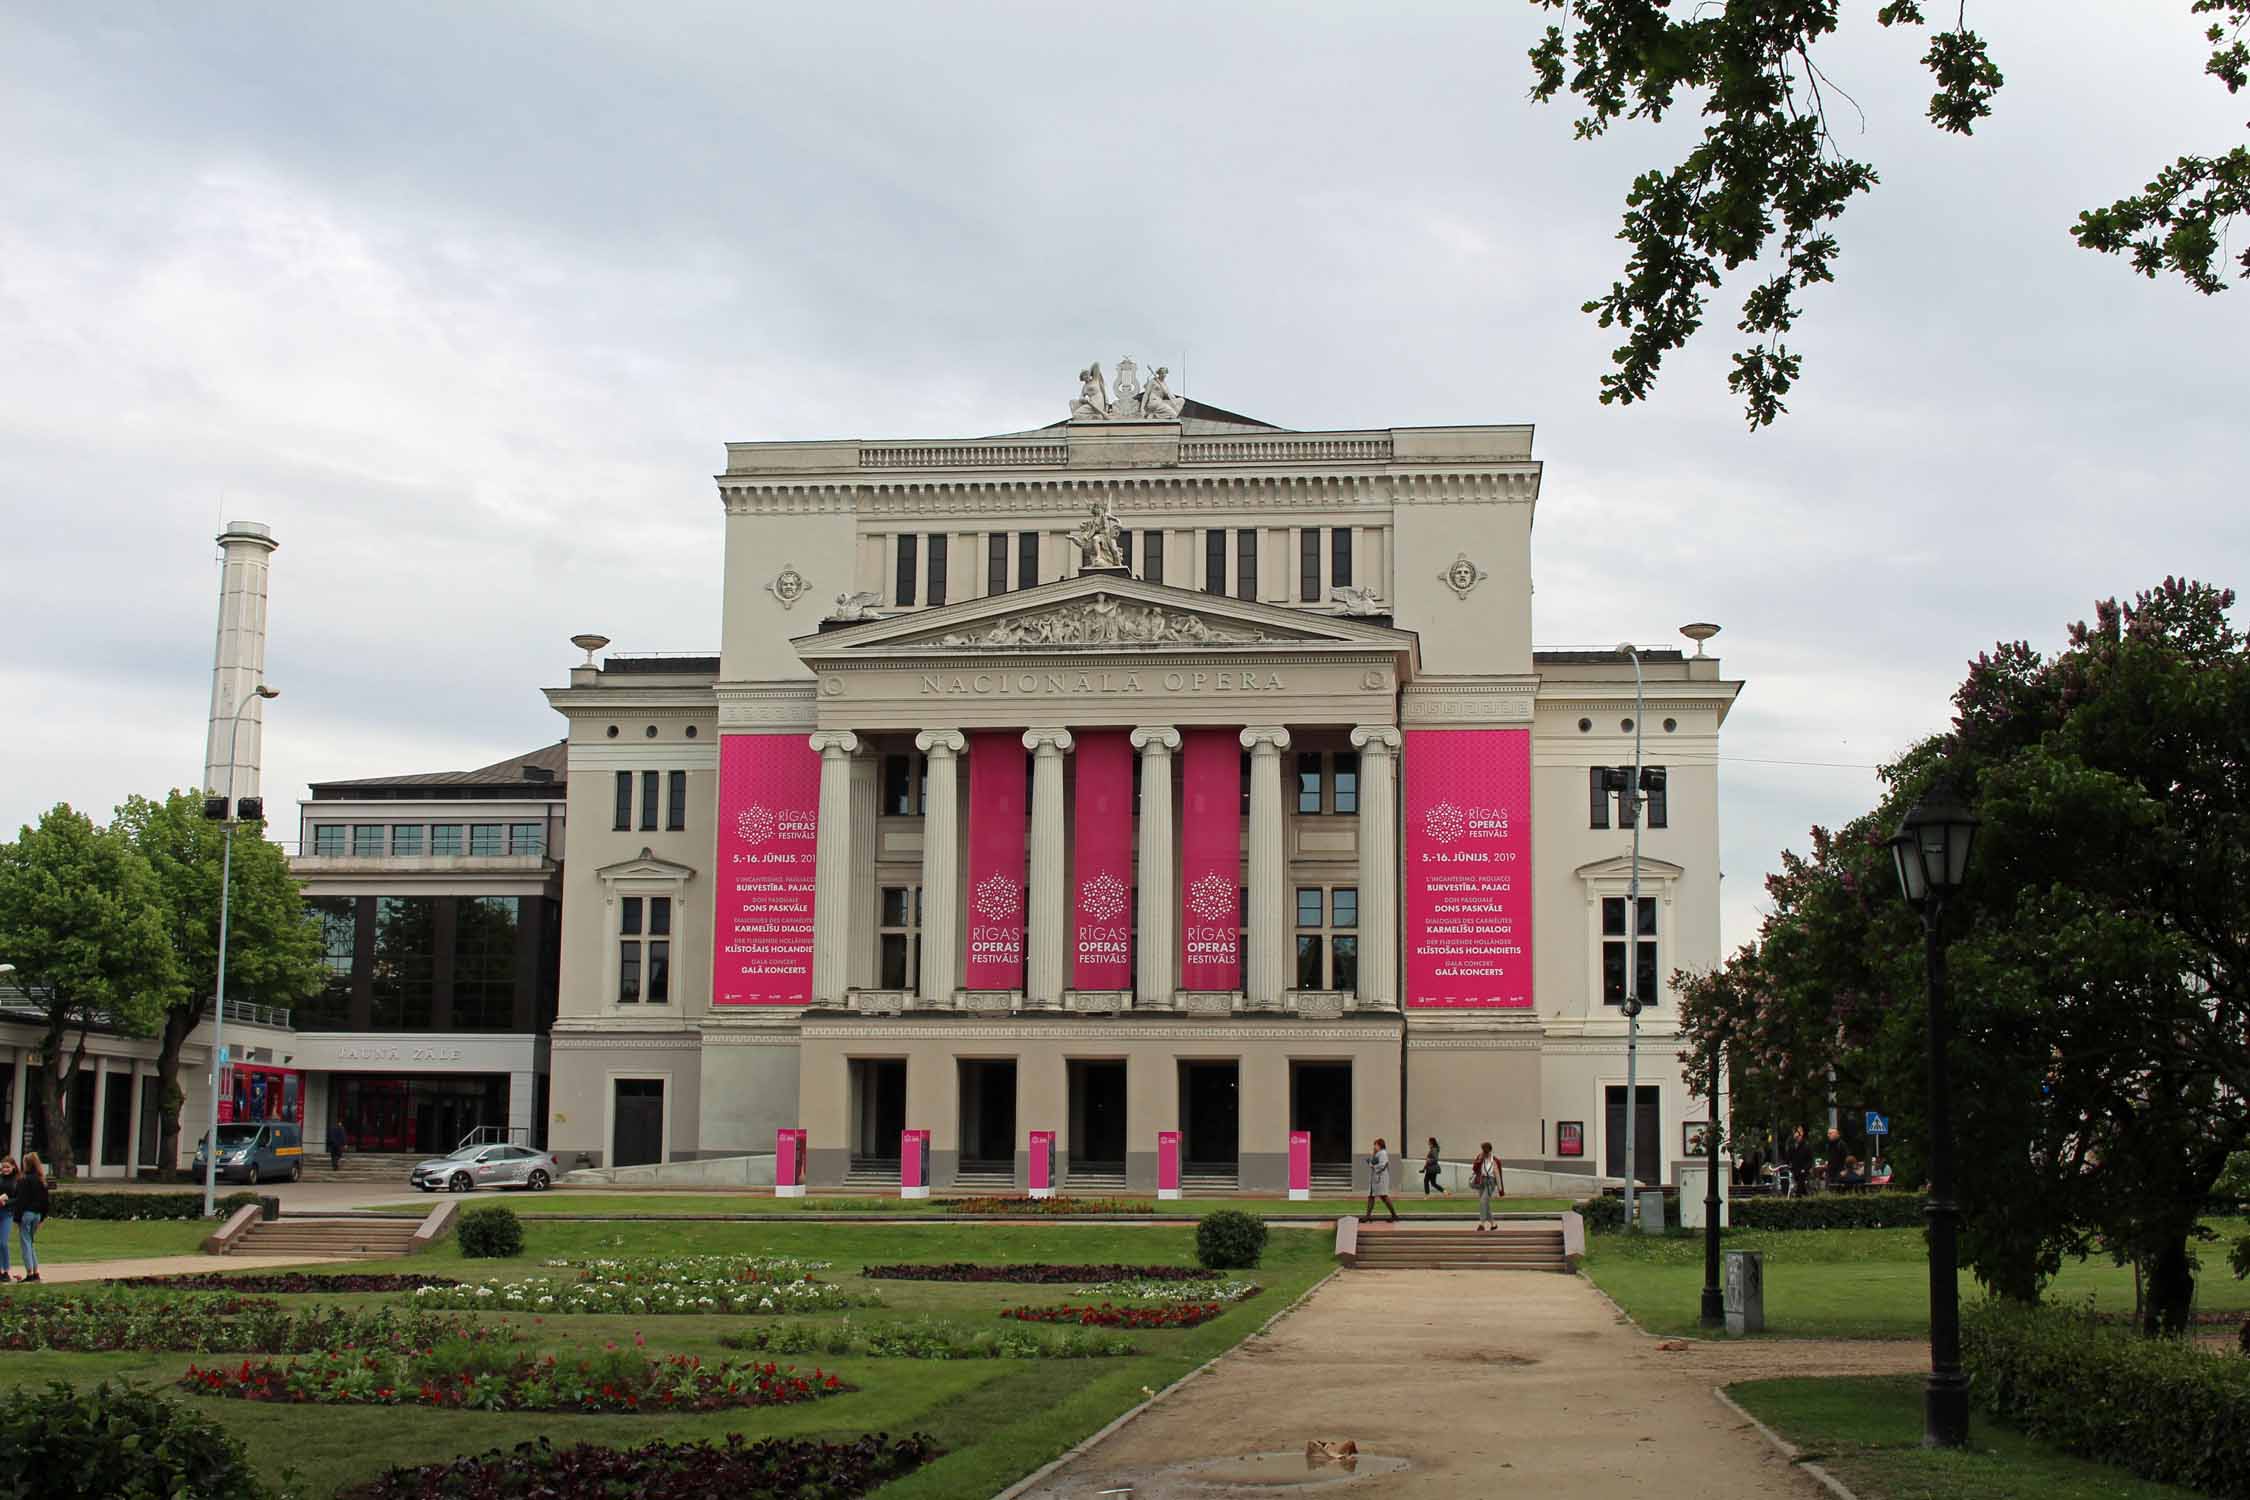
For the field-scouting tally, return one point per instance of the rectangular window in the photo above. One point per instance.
(898, 786)
(527, 838)
(651, 788)
(405, 942)
(1345, 796)
(1246, 563)
(1343, 963)
(1125, 546)
(445, 838)
(1309, 965)
(1246, 783)
(406, 838)
(1310, 905)
(1343, 906)
(1214, 561)
(1659, 810)
(624, 801)
(328, 838)
(898, 938)
(1327, 938)
(1614, 943)
(996, 562)
(367, 839)
(935, 593)
(909, 549)
(1152, 556)
(1308, 783)
(1027, 559)
(644, 950)
(484, 962)
(485, 838)
(1597, 796)
(339, 941)
(1340, 557)
(1308, 565)
(675, 800)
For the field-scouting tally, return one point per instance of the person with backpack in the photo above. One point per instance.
(336, 1145)
(1379, 1180)
(29, 1200)
(1485, 1177)
(1430, 1169)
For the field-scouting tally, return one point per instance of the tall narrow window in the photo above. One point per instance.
(1308, 782)
(1340, 558)
(1659, 809)
(1328, 938)
(1614, 943)
(936, 592)
(644, 950)
(624, 801)
(1345, 796)
(1246, 563)
(1214, 561)
(899, 938)
(1125, 546)
(675, 800)
(996, 562)
(651, 789)
(1027, 559)
(1152, 556)
(909, 555)
(1597, 797)
(1308, 565)
(629, 937)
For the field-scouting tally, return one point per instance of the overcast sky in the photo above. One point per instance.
(463, 300)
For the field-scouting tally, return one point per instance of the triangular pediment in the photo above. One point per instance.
(649, 865)
(1102, 613)
(1620, 867)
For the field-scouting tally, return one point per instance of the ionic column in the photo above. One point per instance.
(866, 776)
(1158, 971)
(93, 1162)
(1270, 929)
(832, 868)
(941, 864)
(1049, 936)
(1378, 747)
(133, 1113)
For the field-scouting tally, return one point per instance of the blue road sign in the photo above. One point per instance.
(1877, 1124)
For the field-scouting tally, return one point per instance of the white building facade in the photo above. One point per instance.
(1158, 771)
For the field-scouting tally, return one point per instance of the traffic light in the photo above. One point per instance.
(214, 809)
(1652, 778)
(251, 809)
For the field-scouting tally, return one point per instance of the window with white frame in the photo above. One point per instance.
(898, 938)
(1327, 782)
(1616, 941)
(906, 784)
(644, 950)
(1328, 938)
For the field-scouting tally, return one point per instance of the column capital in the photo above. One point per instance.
(1156, 737)
(1379, 738)
(1264, 737)
(1041, 741)
(941, 742)
(838, 742)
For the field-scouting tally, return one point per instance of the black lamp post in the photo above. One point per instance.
(1931, 849)
(1714, 1299)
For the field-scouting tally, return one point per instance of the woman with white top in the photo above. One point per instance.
(1484, 1176)
(1379, 1180)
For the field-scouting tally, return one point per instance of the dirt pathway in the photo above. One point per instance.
(1487, 1383)
(172, 1265)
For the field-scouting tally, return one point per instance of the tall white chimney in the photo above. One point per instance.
(238, 658)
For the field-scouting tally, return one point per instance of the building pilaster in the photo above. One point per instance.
(941, 864)
(866, 776)
(1269, 927)
(1049, 939)
(1157, 972)
(832, 868)
(1378, 746)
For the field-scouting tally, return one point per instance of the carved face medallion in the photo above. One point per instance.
(788, 585)
(1461, 576)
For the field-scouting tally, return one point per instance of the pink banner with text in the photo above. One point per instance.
(1101, 862)
(1468, 869)
(769, 809)
(996, 862)
(1210, 860)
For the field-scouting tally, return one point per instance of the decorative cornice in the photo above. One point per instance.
(1284, 1028)
(984, 497)
(1161, 739)
(1491, 1043)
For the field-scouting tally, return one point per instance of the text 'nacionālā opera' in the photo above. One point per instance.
(1157, 771)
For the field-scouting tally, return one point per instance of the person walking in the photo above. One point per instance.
(336, 1145)
(29, 1200)
(1484, 1176)
(1379, 1180)
(7, 1211)
(1799, 1158)
(1430, 1170)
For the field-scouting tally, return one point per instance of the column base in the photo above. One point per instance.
(795, 1191)
(920, 1192)
(1300, 1195)
(1168, 1195)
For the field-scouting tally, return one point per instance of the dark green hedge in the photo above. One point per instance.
(1606, 1214)
(76, 1203)
(120, 1441)
(2167, 1410)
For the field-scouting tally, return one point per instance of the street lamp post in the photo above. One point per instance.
(1630, 806)
(227, 811)
(1931, 850)
(1714, 1312)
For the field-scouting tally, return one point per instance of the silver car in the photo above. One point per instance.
(474, 1167)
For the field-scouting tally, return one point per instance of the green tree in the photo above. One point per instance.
(81, 918)
(273, 943)
(1768, 178)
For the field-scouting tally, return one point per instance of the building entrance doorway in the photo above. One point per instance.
(1097, 1124)
(1211, 1122)
(988, 1118)
(1648, 1144)
(1320, 1103)
(636, 1122)
(878, 1107)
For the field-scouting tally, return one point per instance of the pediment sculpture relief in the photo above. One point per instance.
(1101, 621)
(1133, 401)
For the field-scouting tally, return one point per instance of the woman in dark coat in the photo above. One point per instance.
(29, 1200)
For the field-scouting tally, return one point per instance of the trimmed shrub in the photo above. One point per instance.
(1606, 1214)
(2167, 1410)
(492, 1233)
(1228, 1239)
(120, 1441)
(770, 1466)
(75, 1204)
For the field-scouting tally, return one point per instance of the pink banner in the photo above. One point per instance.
(1210, 860)
(1168, 1162)
(788, 1163)
(1041, 1171)
(997, 833)
(1300, 1161)
(1102, 861)
(914, 1160)
(769, 809)
(1468, 869)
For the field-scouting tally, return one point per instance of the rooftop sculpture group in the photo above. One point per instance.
(1133, 401)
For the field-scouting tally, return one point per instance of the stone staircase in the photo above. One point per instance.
(320, 1237)
(1534, 1246)
(389, 1168)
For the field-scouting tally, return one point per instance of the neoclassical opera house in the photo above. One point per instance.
(1158, 770)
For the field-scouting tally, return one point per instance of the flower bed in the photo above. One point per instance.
(1171, 1315)
(613, 1381)
(635, 1292)
(1036, 1273)
(1040, 1207)
(584, 1471)
(748, 1268)
(928, 1338)
(285, 1283)
(111, 1322)
(1212, 1289)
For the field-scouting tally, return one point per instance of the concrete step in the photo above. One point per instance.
(328, 1237)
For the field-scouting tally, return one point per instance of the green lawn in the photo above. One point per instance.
(595, 1201)
(67, 1240)
(1846, 1283)
(997, 1419)
(1868, 1432)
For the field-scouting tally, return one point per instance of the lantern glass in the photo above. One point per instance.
(1931, 848)
(1913, 882)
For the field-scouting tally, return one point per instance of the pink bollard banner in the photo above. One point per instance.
(1300, 1165)
(1468, 869)
(914, 1164)
(788, 1163)
(1040, 1174)
(997, 844)
(1102, 861)
(1167, 1164)
(1210, 860)
(769, 813)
